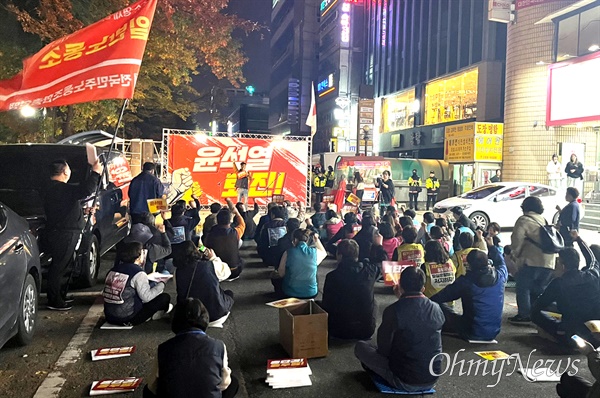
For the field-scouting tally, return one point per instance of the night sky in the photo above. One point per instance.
(257, 69)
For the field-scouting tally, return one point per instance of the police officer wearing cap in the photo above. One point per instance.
(432, 184)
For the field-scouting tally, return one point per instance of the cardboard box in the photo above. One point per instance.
(303, 330)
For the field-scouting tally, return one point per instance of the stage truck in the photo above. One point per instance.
(371, 167)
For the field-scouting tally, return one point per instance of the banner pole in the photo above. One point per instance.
(88, 223)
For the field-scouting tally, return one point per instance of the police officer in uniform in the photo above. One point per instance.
(319, 184)
(432, 184)
(414, 188)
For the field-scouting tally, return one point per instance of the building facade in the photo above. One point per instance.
(432, 64)
(294, 37)
(552, 87)
(339, 76)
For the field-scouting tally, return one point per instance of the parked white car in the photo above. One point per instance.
(501, 202)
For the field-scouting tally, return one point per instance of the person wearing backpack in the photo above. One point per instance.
(534, 267)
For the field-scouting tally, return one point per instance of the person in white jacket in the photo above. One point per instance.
(555, 172)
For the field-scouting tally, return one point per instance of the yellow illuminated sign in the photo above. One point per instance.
(473, 142)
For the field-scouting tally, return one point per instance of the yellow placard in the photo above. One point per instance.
(488, 142)
(352, 198)
(156, 205)
(493, 355)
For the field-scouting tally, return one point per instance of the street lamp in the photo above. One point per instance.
(28, 111)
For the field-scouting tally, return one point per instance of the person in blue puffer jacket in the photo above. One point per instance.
(482, 293)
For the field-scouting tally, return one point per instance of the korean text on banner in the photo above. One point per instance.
(275, 167)
(391, 271)
(100, 61)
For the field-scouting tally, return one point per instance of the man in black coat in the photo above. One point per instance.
(64, 225)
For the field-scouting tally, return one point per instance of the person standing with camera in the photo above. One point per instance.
(64, 225)
(414, 188)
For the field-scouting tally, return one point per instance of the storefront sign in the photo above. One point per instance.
(573, 89)
(345, 22)
(276, 167)
(520, 4)
(473, 142)
(499, 10)
(325, 84)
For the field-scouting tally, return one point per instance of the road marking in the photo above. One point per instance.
(79, 294)
(54, 381)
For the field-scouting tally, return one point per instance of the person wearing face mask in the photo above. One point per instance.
(433, 185)
(414, 188)
(128, 297)
(555, 172)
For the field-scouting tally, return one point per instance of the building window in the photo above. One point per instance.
(397, 111)
(589, 31)
(567, 38)
(451, 98)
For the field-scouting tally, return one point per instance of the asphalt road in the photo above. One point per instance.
(252, 336)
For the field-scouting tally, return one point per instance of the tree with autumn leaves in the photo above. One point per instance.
(188, 37)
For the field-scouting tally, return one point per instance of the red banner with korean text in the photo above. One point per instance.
(100, 61)
(205, 165)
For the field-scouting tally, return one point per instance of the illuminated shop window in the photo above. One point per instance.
(397, 111)
(451, 98)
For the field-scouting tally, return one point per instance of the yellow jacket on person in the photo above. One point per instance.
(409, 252)
(430, 183)
(438, 276)
(414, 183)
(320, 182)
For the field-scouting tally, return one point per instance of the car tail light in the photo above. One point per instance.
(579, 200)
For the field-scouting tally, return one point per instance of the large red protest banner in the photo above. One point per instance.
(100, 61)
(276, 167)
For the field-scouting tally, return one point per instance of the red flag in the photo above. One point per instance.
(100, 61)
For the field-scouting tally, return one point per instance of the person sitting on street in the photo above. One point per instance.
(270, 234)
(437, 233)
(196, 277)
(298, 267)
(332, 223)
(569, 291)
(460, 217)
(182, 223)
(409, 339)
(224, 239)
(211, 219)
(365, 236)
(482, 293)
(388, 238)
(575, 386)
(413, 217)
(285, 242)
(439, 269)
(409, 250)
(248, 216)
(467, 245)
(350, 228)
(348, 294)
(128, 297)
(317, 221)
(191, 364)
(263, 220)
(155, 241)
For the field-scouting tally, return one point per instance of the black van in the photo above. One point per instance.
(24, 174)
